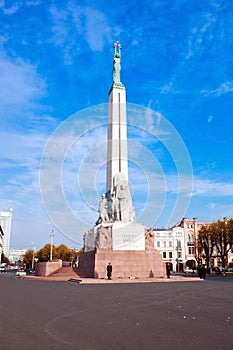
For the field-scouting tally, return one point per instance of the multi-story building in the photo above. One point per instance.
(5, 223)
(171, 244)
(178, 245)
(1, 239)
(16, 256)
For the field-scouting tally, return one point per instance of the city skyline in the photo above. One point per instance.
(56, 70)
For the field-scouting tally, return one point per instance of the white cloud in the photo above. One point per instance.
(84, 22)
(212, 188)
(11, 10)
(223, 89)
(212, 205)
(21, 86)
(198, 36)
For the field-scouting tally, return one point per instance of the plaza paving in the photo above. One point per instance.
(62, 315)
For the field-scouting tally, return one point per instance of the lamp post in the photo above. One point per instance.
(177, 249)
(51, 245)
(33, 256)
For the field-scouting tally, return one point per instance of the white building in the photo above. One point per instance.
(1, 239)
(171, 244)
(16, 255)
(5, 223)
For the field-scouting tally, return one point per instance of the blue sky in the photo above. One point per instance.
(56, 66)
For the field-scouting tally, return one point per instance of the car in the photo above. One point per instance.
(188, 270)
(21, 272)
(3, 267)
(230, 269)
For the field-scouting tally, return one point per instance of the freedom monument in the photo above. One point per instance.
(117, 237)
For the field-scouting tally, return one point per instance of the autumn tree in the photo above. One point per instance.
(44, 253)
(222, 234)
(63, 252)
(28, 257)
(206, 244)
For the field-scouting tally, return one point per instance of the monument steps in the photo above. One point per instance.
(66, 271)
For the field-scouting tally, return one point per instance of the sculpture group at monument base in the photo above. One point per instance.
(116, 236)
(125, 264)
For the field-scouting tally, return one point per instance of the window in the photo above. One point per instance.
(164, 244)
(164, 255)
(170, 255)
(158, 244)
(178, 244)
(191, 250)
(170, 244)
(179, 255)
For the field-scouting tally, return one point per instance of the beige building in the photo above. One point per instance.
(177, 245)
(5, 222)
(1, 241)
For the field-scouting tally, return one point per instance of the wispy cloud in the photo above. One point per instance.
(212, 188)
(22, 87)
(198, 35)
(223, 89)
(87, 23)
(12, 9)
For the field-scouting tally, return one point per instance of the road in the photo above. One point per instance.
(42, 315)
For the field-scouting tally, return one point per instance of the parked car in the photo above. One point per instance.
(21, 272)
(3, 267)
(188, 270)
(230, 269)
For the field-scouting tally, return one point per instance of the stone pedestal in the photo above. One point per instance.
(138, 263)
(125, 263)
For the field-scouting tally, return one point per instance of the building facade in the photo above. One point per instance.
(6, 224)
(171, 245)
(1, 242)
(16, 256)
(178, 245)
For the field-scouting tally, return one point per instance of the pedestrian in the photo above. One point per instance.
(203, 272)
(168, 270)
(109, 271)
(199, 271)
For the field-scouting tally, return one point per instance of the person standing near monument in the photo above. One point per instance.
(168, 270)
(109, 271)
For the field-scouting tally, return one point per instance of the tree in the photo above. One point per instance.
(28, 257)
(63, 252)
(44, 253)
(222, 235)
(206, 244)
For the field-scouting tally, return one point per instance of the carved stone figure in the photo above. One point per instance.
(103, 210)
(104, 238)
(149, 239)
(123, 203)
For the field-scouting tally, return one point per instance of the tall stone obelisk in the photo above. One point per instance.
(116, 236)
(116, 203)
(117, 158)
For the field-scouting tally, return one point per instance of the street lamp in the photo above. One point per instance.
(51, 245)
(178, 246)
(33, 256)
